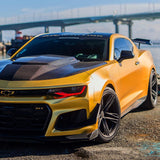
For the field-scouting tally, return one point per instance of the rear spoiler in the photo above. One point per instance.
(142, 41)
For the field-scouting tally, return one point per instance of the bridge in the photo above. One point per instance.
(126, 19)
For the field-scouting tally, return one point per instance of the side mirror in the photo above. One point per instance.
(126, 55)
(11, 51)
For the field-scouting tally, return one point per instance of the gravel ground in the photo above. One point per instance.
(138, 138)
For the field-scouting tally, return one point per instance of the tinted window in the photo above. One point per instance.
(84, 49)
(121, 44)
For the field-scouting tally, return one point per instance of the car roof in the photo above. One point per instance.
(69, 34)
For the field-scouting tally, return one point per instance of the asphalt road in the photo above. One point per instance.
(138, 138)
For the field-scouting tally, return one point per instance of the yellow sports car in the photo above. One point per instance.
(73, 86)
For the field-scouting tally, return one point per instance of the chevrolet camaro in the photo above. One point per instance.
(73, 86)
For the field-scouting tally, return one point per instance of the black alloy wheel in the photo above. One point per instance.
(109, 116)
(152, 96)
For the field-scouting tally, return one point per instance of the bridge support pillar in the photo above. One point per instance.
(116, 23)
(126, 22)
(0, 36)
(130, 23)
(62, 28)
(46, 29)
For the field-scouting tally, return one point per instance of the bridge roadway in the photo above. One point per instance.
(126, 19)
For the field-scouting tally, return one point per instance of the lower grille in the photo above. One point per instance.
(24, 119)
(71, 120)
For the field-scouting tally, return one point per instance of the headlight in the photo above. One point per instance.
(58, 93)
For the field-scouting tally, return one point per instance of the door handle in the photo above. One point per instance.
(136, 63)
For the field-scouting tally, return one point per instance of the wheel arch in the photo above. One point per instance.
(146, 60)
(149, 73)
(109, 84)
(151, 99)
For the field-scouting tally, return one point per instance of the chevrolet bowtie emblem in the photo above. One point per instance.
(7, 93)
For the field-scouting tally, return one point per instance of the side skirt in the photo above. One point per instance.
(134, 105)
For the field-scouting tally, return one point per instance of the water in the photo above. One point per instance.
(155, 51)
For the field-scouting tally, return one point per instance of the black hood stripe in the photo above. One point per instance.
(9, 71)
(37, 69)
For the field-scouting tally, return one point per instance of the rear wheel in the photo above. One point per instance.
(109, 116)
(151, 100)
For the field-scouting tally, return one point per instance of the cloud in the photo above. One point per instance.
(42, 10)
(25, 10)
(32, 10)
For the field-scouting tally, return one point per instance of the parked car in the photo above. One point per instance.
(73, 86)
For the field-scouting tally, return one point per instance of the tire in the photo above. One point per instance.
(152, 96)
(109, 116)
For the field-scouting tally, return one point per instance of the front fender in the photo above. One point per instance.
(98, 85)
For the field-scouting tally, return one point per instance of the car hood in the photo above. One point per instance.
(43, 67)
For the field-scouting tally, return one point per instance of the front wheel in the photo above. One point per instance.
(109, 116)
(151, 100)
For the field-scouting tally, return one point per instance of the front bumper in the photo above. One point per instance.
(41, 139)
(68, 118)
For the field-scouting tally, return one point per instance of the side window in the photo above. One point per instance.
(121, 44)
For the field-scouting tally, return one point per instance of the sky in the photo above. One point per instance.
(17, 7)
(30, 10)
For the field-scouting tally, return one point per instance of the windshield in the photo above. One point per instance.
(82, 49)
